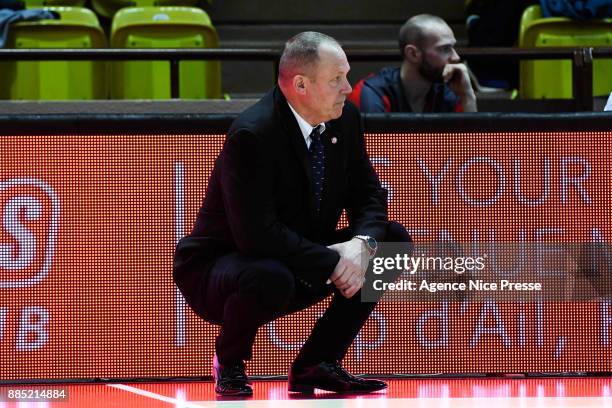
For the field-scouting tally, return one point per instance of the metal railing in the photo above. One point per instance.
(582, 59)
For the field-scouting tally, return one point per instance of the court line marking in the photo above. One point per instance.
(420, 402)
(159, 397)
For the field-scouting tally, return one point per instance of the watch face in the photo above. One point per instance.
(372, 243)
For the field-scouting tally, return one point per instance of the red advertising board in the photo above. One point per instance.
(89, 224)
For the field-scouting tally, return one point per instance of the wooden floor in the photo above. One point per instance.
(422, 393)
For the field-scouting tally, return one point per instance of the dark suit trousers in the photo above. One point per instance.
(244, 293)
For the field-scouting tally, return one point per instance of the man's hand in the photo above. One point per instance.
(457, 77)
(349, 274)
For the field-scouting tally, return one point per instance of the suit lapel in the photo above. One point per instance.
(293, 131)
(332, 141)
(298, 145)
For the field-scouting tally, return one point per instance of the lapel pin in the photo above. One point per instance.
(334, 140)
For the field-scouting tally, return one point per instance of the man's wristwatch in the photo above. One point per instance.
(371, 244)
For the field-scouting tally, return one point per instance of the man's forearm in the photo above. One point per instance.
(468, 102)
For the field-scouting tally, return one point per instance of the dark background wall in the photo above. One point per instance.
(356, 24)
(232, 11)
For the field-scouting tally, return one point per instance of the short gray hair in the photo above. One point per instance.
(414, 30)
(301, 54)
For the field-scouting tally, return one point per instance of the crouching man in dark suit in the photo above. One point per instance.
(265, 243)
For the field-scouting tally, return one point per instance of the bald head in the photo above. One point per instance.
(418, 29)
(301, 54)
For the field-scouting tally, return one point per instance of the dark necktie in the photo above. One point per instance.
(317, 162)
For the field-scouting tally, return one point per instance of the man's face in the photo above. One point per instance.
(438, 50)
(328, 85)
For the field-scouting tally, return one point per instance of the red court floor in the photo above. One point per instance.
(422, 393)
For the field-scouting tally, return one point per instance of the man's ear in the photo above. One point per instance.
(299, 84)
(412, 53)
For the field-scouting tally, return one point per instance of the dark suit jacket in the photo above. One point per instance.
(259, 200)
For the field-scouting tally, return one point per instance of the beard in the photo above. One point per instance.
(430, 72)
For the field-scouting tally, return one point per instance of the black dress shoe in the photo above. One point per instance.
(330, 377)
(231, 379)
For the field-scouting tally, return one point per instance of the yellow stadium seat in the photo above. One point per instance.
(164, 27)
(108, 8)
(76, 28)
(553, 78)
(52, 3)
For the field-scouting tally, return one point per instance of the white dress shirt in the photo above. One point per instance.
(305, 126)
